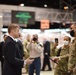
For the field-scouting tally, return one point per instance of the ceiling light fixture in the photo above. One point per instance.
(22, 4)
(45, 5)
(66, 7)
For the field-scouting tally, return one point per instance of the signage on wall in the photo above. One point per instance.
(23, 17)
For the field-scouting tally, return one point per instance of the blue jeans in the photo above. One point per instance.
(36, 65)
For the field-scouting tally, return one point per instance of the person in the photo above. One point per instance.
(62, 58)
(1, 50)
(35, 50)
(20, 45)
(72, 55)
(13, 61)
(46, 60)
(54, 52)
(25, 43)
(26, 51)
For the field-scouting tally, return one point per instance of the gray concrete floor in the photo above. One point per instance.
(42, 72)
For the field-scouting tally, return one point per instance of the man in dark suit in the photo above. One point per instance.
(46, 60)
(1, 50)
(13, 61)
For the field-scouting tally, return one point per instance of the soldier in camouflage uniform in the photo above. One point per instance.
(53, 52)
(62, 60)
(26, 51)
(72, 55)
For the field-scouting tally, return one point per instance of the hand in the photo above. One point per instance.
(74, 70)
(70, 72)
(56, 59)
(29, 61)
(31, 41)
(55, 44)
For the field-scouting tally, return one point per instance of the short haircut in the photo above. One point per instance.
(68, 38)
(12, 26)
(35, 35)
(74, 24)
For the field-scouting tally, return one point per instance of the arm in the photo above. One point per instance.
(64, 56)
(54, 49)
(38, 48)
(72, 57)
(10, 55)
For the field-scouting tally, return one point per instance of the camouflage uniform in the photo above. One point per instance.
(54, 50)
(53, 53)
(26, 53)
(72, 57)
(62, 66)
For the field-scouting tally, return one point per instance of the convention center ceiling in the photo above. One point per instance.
(57, 4)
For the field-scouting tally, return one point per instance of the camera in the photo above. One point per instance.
(34, 39)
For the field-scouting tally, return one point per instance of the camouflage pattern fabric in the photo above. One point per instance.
(72, 57)
(62, 67)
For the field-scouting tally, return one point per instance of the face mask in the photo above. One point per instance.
(72, 33)
(66, 42)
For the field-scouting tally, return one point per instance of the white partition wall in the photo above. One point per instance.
(1, 24)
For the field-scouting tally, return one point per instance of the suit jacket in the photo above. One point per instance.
(13, 62)
(20, 45)
(47, 48)
(1, 50)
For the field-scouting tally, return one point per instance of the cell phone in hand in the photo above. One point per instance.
(56, 40)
